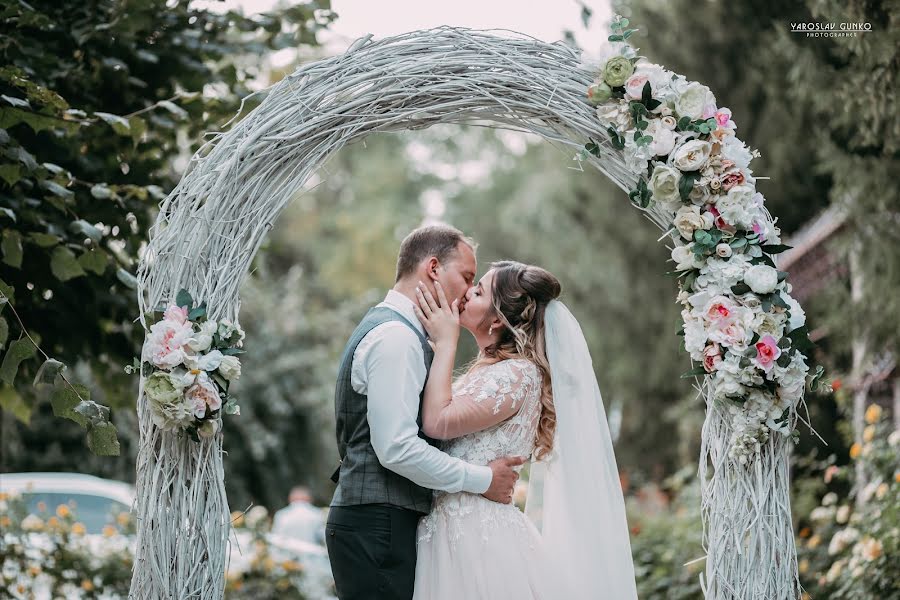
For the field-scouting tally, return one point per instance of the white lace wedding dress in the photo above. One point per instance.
(468, 546)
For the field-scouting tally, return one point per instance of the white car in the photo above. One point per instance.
(98, 501)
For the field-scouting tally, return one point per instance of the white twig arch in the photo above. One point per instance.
(211, 225)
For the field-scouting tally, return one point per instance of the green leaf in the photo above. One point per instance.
(800, 339)
(64, 265)
(686, 184)
(102, 440)
(4, 332)
(774, 248)
(183, 298)
(616, 38)
(232, 351)
(84, 228)
(10, 173)
(740, 289)
(738, 243)
(56, 189)
(127, 279)
(11, 401)
(197, 312)
(65, 398)
(48, 371)
(20, 350)
(782, 275)
(138, 128)
(11, 116)
(119, 124)
(94, 261)
(696, 371)
(43, 240)
(12, 248)
(8, 212)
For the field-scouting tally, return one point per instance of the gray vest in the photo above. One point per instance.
(360, 477)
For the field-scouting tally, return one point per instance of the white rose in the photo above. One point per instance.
(230, 367)
(723, 250)
(694, 100)
(201, 340)
(685, 258)
(692, 155)
(664, 185)
(669, 122)
(762, 279)
(687, 220)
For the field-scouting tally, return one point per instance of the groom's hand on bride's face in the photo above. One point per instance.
(504, 478)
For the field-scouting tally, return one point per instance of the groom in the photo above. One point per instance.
(388, 466)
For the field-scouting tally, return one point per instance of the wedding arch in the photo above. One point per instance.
(657, 136)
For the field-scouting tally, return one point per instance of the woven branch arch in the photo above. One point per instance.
(211, 225)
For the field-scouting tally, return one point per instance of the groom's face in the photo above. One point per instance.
(458, 274)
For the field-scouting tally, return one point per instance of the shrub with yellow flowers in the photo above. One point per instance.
(849, 545)
(49, 553)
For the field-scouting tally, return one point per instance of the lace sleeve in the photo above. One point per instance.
(483, 398)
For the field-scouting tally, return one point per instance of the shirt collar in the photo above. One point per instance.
(404, 306)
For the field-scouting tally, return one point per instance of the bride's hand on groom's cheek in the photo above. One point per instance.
(439, 317)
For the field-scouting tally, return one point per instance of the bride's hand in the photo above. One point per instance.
(440, 318)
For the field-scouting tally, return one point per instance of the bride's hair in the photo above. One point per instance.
(520, 294)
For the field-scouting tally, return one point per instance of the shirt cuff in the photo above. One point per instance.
(478, 479)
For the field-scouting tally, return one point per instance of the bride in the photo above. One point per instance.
(531, 392)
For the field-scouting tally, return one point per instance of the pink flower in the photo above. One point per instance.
(712, 356)
(719, 308)
(720, 222)
(759, 230)
(767, 352)
(165, 344)
(178, 314)
(709, 111)
(203, 394)
(635, 85)
(723, 119)
(729, 180)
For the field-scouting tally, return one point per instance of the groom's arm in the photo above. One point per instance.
(394, 375)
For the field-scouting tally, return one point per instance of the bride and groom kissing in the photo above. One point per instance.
(423, 506)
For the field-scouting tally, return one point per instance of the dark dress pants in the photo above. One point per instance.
(372, 549)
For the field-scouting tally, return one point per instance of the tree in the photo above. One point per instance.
(97, 100)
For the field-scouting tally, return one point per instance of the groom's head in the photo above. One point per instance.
(438, 253)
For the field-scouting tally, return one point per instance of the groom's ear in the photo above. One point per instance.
(432, 267)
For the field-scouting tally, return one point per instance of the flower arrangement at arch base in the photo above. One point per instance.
(189, 362)
(740, 322)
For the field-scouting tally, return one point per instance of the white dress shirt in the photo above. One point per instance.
(389, 367)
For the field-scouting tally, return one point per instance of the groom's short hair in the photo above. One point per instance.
(440, 241)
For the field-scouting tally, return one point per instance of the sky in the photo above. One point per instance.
(544, 19)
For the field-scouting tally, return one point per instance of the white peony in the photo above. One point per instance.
(664, 185)
(723, 273)
(165, 346)
(210, 361)
(694, 101)
(201, 340)
(616, 115)
(687, 220)
(762, 279)
(230, 367)
(691, 155)
(737, 207)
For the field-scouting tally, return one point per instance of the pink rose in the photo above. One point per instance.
(767, 352)
(720, 222)
(178, 314)
(723, 119)
(712, 356)
(203, 394)
(719, 308)
(635, 85)
(731, 179)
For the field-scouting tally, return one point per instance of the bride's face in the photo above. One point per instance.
(478, 305)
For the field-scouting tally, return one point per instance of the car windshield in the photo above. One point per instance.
(93, 511)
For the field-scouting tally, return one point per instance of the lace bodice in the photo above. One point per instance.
(508, 391)
(507, 394)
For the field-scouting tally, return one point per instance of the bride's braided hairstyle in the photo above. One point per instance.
(520, 294)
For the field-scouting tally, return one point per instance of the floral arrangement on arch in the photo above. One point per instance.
(190, 362)
(740, 322)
